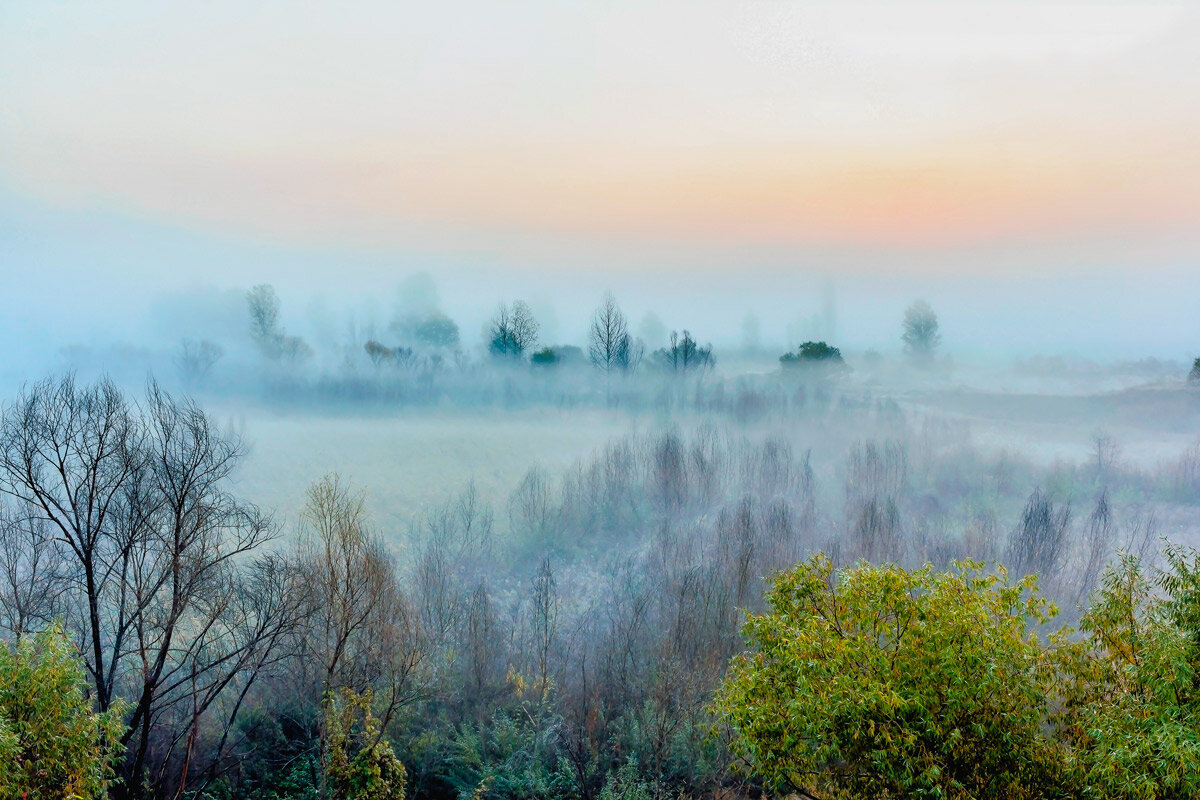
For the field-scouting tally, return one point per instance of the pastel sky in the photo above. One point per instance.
(898, 139)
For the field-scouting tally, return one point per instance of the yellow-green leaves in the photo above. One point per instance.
(1132, 703)
(52, 745)
(891, 683)
(361, 763)
(887, 682)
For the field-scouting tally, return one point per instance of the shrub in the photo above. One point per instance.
(52, 744)
(812, 353)
(883, 682)
(1131, 715)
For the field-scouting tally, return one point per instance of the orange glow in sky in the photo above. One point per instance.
(901, 124)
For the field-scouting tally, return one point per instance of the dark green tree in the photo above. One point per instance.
(813, 354)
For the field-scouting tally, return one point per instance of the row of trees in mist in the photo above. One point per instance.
(568, 644)
(424, 342)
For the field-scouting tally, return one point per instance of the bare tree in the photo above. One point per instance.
(1097, 546)
(151, 541)
(359, 633)
(196, 359)
(69, 453)
(683, 354)
(1107, 451)
(270, 337)
(33, 571)
(530, 513)
(348, 574)
(1040, 538)
(610, 346)
(512, 332)
(185, 535)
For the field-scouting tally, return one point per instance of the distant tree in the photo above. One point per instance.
(812, 354)
(560, 355)
(610, 347)
(881, 682)
(920, 331)
(382, 355)
(272, 340)
(264, 314)
(196, 359)
(512, 331)
(1194, 375)
(377, 352)
(437, 330)
(1039, 542)
(52, 744)
(683, 354)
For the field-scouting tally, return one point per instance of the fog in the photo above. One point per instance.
(141, 285)
(465, 385)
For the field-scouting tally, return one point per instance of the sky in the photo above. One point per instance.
(1031, 168)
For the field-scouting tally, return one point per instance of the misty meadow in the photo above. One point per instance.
(720, 401)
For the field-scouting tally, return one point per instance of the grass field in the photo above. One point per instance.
(407, 463)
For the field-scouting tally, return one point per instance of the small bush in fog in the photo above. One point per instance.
(813, 354)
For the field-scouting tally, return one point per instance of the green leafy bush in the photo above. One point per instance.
(887, 683)
(813, 354)
(52, 744)
(1132, 711)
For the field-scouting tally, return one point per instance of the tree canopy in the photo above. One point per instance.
(890, 683)
(884, 682)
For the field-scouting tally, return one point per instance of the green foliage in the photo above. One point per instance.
(512, 755)
(811, 354)
(627, 783)
(546, 357)
(1132, 709)
(52, 744)
(1194, 375)
(360, 763)
(889, 683)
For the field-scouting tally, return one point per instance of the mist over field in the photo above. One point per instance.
(708, 401)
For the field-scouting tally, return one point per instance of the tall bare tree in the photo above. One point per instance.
(152, 544)
(609, 344)
(512, 331)
(359, 634)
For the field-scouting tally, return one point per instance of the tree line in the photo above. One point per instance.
(426, 340)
